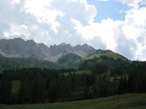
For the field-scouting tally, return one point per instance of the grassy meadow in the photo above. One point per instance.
(126, 101)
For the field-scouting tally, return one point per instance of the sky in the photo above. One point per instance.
(118, 25)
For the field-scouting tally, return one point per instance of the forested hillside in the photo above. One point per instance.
(46, 85)
(18, 63)
(68, 61)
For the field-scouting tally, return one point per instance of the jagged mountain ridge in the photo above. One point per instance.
(25, 49)
(64, 55)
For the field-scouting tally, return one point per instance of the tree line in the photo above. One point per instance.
(38, 85)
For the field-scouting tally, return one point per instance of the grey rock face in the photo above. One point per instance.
(25, 49)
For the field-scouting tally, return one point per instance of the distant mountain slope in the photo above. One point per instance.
(99, 53)
(19, 63)
(57, 51)
(63, 54)
(103, 59)
(25, 49)
(70, 60)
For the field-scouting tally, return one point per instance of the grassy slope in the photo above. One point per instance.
(108, 53)
(127, 101)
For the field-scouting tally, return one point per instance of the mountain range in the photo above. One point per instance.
(25, 49)
(18, 53)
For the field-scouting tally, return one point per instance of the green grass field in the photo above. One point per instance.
(15, 86)
(126, 101)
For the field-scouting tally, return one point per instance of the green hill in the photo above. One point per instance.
(105, 59)
(107, 53)
(126, 101)
(70, 60)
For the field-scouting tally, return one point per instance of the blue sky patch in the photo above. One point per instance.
(109, 9)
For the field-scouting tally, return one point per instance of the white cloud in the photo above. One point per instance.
(15, 2)
(134, 1)
(17, 30)
(104, 30)
(103, 0)
(120, 36)
(73, 21)
(41, 9)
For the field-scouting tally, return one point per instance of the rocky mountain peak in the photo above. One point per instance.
(20, 48)
(84, 47)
